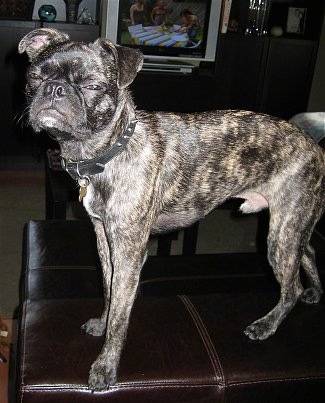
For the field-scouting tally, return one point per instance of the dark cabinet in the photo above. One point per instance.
(12, 101)
(15, 135)
(270, 75)
(77, 32)
(263, 74)
(176, 93)
(239, 71)
(288, 75)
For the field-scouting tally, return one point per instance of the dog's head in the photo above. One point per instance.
(74, 88)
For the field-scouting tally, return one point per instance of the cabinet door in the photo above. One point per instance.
(16, 137)
(288, 76)
(172, 92)
(239, 71)
(77, 32)
(12, 101)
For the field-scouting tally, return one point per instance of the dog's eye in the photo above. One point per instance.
(34, 76)
(93, 87)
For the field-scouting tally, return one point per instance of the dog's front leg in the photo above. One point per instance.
(97, 326)
(127, 254)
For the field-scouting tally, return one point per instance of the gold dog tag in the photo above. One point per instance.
(82, 192)
(83, 183)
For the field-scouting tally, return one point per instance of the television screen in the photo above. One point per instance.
(169, 27)
(165, 29)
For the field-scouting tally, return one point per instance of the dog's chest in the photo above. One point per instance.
(88, 201)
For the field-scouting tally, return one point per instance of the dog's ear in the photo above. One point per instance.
(128, 61)
(35, 41)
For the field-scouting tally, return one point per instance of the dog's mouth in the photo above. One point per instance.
(60, 122)
(49, 117)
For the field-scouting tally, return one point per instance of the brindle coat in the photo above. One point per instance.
(175, 169)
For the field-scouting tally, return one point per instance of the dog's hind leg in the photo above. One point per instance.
(285, 250)
(97, 326)
(313, 293)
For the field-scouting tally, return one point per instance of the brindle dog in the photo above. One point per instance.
(142, 172)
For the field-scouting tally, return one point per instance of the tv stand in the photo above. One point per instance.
(167, 66)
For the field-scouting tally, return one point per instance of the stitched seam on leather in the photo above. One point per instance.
(27, 262)
(23, 350)
(297, 379)
(206, 339)
(150, 385)
(68, 387)
(57, 267)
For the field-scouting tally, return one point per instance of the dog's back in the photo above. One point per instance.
(212, 156)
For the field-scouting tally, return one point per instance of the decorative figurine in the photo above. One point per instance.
(47, 13)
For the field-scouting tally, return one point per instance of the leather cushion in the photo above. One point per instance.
(60, 260)
(180, 349)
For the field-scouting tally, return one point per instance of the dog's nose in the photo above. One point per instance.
(54, 89)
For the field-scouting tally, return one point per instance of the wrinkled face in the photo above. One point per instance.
(72, 90)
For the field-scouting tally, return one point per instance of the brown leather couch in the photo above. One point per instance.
(185, 341)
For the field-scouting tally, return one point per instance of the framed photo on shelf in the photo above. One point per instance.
(299, 19)
(296, 20)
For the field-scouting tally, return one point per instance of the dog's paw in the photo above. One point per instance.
(101, 376)
(260, 330)
(95, 327)
(311, 295)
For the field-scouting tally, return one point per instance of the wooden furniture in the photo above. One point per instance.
(60, 188)
(249, 73)
(263, 74)
(16, 137)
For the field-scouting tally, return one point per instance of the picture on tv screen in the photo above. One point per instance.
(172, 24)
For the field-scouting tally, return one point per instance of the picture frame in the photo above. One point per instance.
(284, 15)
(296, 20)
